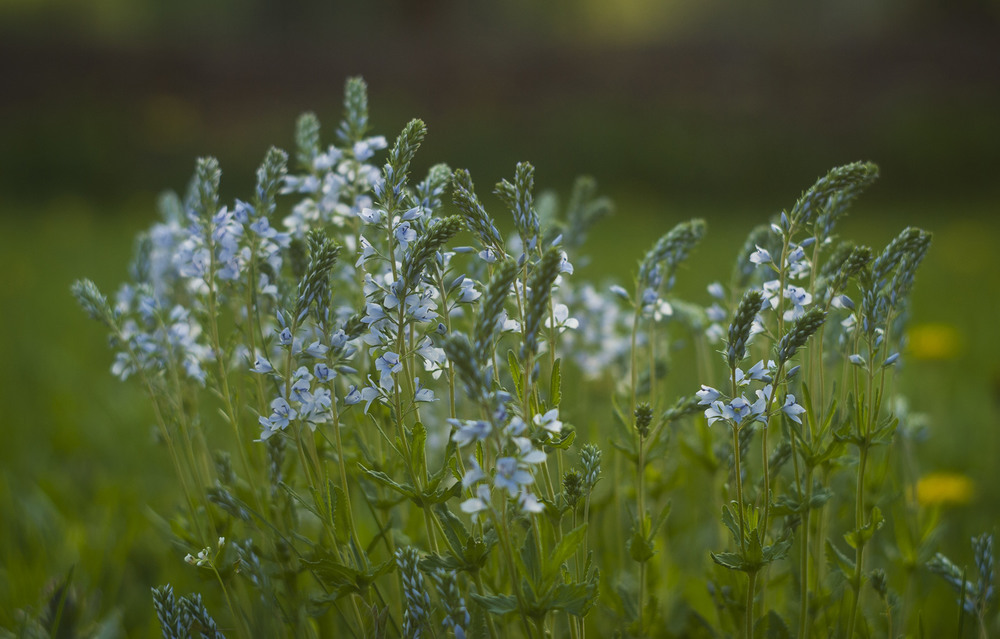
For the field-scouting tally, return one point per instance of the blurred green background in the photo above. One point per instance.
(677, 108)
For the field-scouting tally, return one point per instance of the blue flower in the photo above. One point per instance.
(511, 476)
(478, 503)
(261, 365)
(473, 474)
(470, 431)
(529, 503)
(718, 411)
(421, 394)
(760, 371)
(405, 234)
(760, 256)
(371, 216)
(282, 414)
(791, 409)
(387, 365)
(323, 372)
(707, 395)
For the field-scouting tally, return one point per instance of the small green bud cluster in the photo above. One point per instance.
(426, 246)
(476, 217)
(519, 199)
(590, 459)
(314, 288)
(844, 182)
(573, 487)
(355, 123)
(801, 330)
(463, 356)
(179, 617)
(643, 418)
(853, 263)
(418, 603)
(93, 302)
(270, 175)
(456, 615)
(397, 168)
(669, 251)
(537, 307)
(307, 140)
(492, 306)
(204, 196)
(910, 241)
(739, 328)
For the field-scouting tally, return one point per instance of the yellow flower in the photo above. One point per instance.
(933, 341)
(937, 489)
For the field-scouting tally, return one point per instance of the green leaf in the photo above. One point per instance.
(730, 522)
(515, 373)
(564, 550)
(659, 521)
(496, 604)
(380, 477)
(839, 559)
(771, 626)
(730, 560)
(326, 504)
(297, 497)
(417, 451)
(565, 441)
(861, 536)
(454, 530)
(555, 383)
(530, 562)
(640, 548)
(575, 598)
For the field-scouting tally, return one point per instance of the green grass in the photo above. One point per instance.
(82, 479)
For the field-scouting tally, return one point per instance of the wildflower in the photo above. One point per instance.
(421, 394)
(715, 290)
(549, 421)
(404, 234)
(760, 256)
(562, 318)
(526, 451)
(707, 395)
(467, 292)
(761, 371)
(791, 409)
(282, 413)
(261, 365)
(758, 407)
(800, 298)
(388, 364)
(529, 503)
(511, 476)
(371, 216)
(478, 503)
(943, 488)
(474, 474)
(323, 373)
(469, 431)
